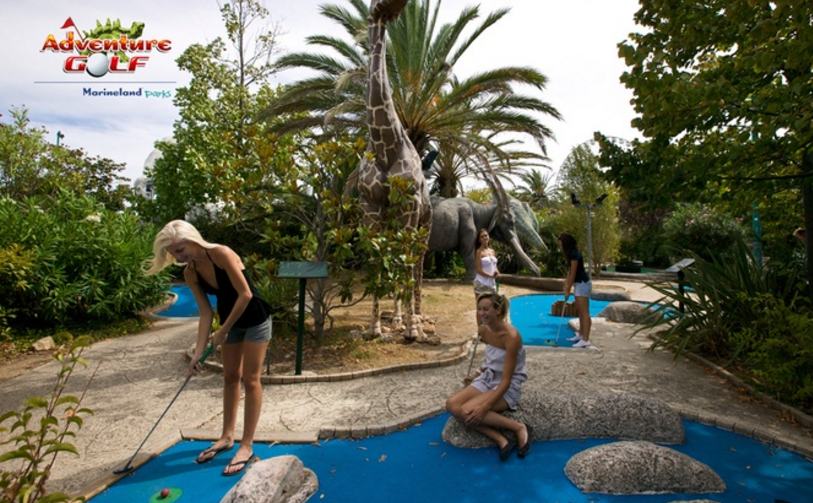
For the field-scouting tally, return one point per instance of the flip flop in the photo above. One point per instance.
(242, 464)
(210, 453)
(523, 450)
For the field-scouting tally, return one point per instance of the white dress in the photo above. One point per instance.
(489, 266)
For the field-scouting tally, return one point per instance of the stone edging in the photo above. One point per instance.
(359, 432)
(753, 432)
(797, 414)
(346, 376)
(801, 417)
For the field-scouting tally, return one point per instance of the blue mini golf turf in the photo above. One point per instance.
(530, 314)
(184, 306)
(416, 465)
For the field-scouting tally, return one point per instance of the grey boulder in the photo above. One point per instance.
(281, 479)
(627, 312)
(640, 468)
(557, 415)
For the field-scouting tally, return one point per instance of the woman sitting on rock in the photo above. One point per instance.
(498, 387)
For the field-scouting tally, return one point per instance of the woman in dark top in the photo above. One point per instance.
(244, 333)
(579, 281)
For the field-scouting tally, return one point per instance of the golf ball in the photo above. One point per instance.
(97, 65)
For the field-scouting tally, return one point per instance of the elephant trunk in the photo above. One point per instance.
(523, 257)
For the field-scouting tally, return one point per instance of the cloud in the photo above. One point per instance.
(573, 43)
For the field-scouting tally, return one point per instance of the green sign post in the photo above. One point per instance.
(303, 271)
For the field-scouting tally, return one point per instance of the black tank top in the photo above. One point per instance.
(257, 310)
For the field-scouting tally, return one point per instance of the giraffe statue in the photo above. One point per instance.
(390, 154)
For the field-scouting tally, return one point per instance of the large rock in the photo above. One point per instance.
(577, 415)
(616, 295)
(640, 468)
(281, 479)
(627, 312)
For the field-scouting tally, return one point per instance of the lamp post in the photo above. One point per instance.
(589, 207)
(59, 136)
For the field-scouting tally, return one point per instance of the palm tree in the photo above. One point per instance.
(535, 187)
(465, 117)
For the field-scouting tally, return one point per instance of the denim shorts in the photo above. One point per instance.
(583, 289)
(257, 333)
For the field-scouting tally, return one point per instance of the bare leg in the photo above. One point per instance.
(585, 323)
(467, 398)
(494, 420)
(232, 370)
(232, 373)
(253, 355)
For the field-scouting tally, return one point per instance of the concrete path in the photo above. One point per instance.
(139, 374)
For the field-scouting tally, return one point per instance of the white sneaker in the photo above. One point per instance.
(582, 344)
(575, 338)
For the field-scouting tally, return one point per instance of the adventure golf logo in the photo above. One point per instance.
(107, 48)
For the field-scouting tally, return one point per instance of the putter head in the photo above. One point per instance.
(123, 470)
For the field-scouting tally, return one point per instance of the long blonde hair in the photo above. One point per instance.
(173, 232)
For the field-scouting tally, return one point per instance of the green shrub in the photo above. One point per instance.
(281, 293)
(33, 442)
(740, 314)
(698, 229)
(780, 352)
(68, 261)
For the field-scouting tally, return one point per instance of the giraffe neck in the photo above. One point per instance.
(386, 131)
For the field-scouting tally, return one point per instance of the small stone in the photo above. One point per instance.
(44, 344)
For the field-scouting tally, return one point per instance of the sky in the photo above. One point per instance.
(572, 42)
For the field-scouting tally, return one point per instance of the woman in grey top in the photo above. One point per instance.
(498, 387)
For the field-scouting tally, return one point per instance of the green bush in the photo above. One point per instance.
(779, 353)
(744, 316)
(40, 430)
(66, 261)
(698, 229)
(281, 293)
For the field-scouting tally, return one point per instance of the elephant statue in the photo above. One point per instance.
(456, 221)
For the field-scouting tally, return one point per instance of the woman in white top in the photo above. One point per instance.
(485, 265)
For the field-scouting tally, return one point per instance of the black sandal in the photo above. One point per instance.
(523, 450)
(210, 453)
(242, 464)
(505, 452)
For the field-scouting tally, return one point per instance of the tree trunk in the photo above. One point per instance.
(807, 197)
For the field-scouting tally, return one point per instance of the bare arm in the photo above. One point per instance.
(478, 263)
(205, 309)
(571, 277)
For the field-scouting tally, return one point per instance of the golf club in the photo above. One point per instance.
(128, 467)
(477, 341)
